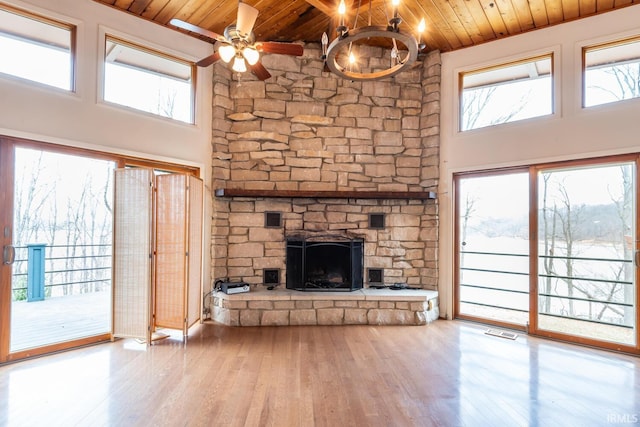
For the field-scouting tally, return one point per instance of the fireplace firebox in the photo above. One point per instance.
(324, 265)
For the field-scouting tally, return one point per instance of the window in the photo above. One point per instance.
(611, 72)
(140, 78)
(36, 48)
(506, 93)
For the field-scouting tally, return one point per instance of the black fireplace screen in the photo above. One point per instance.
(324, 266)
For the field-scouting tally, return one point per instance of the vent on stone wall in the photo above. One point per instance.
(375, 277)
(271, 276)
(272, 219)
(376, 220)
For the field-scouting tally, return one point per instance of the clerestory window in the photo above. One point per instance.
(506, 93)
(36, 48)
(611, 72)
(141, 78)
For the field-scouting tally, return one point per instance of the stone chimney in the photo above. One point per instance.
(305, 131)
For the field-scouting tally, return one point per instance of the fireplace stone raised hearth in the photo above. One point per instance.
(284, 307)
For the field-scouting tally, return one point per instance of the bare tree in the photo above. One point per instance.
(549, 233)
(75, 224)
(575, 278)
(167, 102)
(475, 101)
(627, 81)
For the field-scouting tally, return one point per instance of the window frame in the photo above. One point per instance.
(552, 54)
(584, 49)
(58, 23)
(146, 48)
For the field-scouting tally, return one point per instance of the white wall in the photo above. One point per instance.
(80, 119)
(571, 133)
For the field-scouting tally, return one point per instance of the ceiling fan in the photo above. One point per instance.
(238, 43)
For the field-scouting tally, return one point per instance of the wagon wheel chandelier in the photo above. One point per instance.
(340, 55)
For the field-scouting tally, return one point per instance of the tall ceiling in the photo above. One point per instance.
(451, 24)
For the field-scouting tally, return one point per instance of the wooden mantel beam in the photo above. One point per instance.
(239, 192)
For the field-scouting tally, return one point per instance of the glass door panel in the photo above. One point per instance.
(62, 233)
(493, 247)
(586, 238)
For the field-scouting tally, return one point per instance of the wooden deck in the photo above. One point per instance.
(447, 373)
(60, 319)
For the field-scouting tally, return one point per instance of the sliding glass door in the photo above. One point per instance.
(57, 223)
(551, 249)
(493, 247)
(586, 242)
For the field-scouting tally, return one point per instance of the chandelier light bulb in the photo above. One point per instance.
(352, 58)
(325, 43)
(342, 8)
(422, 26)
(251, 55)
(227, 52)
(239, 65)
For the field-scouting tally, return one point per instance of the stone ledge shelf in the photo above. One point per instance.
(411, 195)
(283, 307)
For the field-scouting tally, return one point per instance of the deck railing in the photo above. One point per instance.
(498, 279)
(42, 271)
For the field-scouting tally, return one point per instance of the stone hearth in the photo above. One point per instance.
(282, 307)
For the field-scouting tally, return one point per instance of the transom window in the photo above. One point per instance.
(611, 72)
(36, 48)
(146, 80)
(506, 93)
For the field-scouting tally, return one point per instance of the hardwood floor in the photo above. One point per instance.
(448, 373)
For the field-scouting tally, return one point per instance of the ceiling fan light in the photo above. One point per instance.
(227, 52)
(239, 65)
(251, 55)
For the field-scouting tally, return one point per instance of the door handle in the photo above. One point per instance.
(8, 255)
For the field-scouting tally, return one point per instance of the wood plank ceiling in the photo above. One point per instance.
(451, 24)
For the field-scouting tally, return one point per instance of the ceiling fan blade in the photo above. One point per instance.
(247, 16)
(205, 62)
(280, 48)
(259, 71)
(194, 29)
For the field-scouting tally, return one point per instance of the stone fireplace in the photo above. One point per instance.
(325, 154)
(322, 264)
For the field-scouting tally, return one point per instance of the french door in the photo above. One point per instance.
(552, 249)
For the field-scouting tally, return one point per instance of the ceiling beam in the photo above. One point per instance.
(328, 7)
